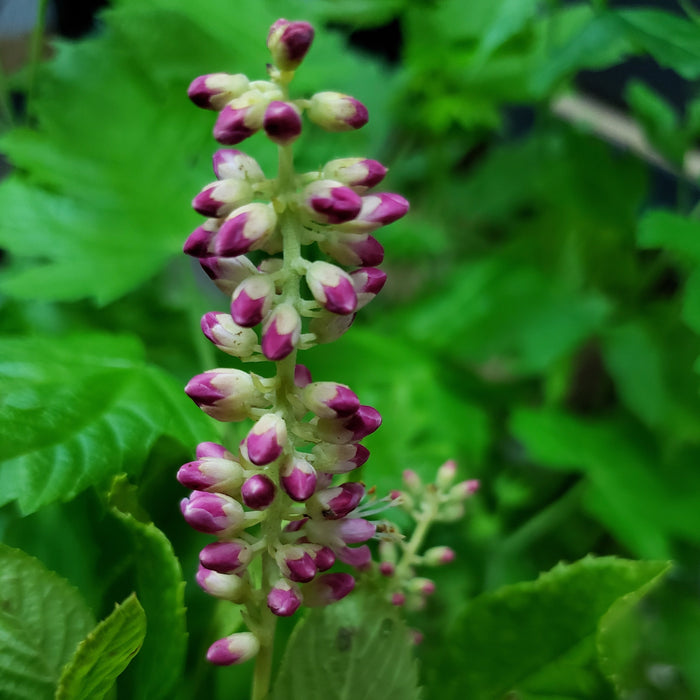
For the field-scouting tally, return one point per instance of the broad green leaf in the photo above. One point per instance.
(673, 41)
(42, 620)
(79, 409)
(676, 233)
(530, 632)
(357, 648)
(160, 588)
(511, 17)
(104, 654)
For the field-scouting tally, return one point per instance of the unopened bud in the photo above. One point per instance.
(214, 90)
(334, 111)
(288, 43)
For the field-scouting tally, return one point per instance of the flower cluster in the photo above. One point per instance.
(279, 520)
(441, 501)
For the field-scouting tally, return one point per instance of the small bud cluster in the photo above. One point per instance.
(441, 501)
(279, 520)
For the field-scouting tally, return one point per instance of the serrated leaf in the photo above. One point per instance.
(161, 590)
(104, 653)
(79, 409)
(508, 637)
(332, 650)
(42, 620)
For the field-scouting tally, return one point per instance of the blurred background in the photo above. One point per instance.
(542, 316)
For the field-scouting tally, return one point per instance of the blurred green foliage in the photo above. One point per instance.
(540, 326)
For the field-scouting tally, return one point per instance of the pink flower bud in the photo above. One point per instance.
(266, 440)
(353, 429)
(339, 459)
(331, 287)
(368, 282)
(464, 489)
(398, 599)
(214, 90)
(258, 492)
(198, 243)
(234, 649)
(251, 300)
(360, 174)
(295, 563)
(226, 557)
(334, 111)
(412, 481)
(227, 335)
(323, 557)
(446, 474)
(353, 249)
(240, 119)
(281, 332)
(302, 376)
(222, 197)
(246, 228)
(423, 586)
(337, 502)
(438, 556)
(386, 568)
(328, 589)
(298, 479)
(288, 43)
(284, 598)
(213, 513)
(216, 474)
(330, 202)
(228, 273)
(212, 449)
(377, 210)
(329, 399)
(282, 122)
(230, 164)
(328, 326)
(359, 557)
(224, 394)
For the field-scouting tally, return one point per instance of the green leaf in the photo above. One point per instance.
(161, 589)
(511, 17)
(42, 620)
(530, 632)
(79, 409)
(676, 233)
(673, 41)
(356, 648)
(104, 653)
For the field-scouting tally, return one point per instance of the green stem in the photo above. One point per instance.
(35, 49)
(423, 523)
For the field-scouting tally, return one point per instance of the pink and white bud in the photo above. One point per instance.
(334, 111)
(328, 326)
(377, 210)
(282, 122)
(335, 503)
(398, 599)
(198, 243)
(295, 563)
(227, 335)
(281, 332)
(446, 475)
(412, 481)
(284, 598)
(225, 394)
(353, 249)
(329, 399)
(228, 273)
(330, 202)
(359, 557)
(213, 450)
(302, 376)
(266, 440)
(252, 300)
(360, 174)
(258, 492)
(298, 479)
(331, 287)
(323, 556)
(368, 282)
(337, 533)
(213, 513)
(214, 90)
(288, 43)
(222, 197)
(423, 586)
(240, 119)
(214, 474)
(339, 459)
(353, 429)
(246, 228)
(438, 556)
(386, 568)
(230, 557)
(231, 164)
(327, 589)
(225, 586)
(464, 489)
(234, 649)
